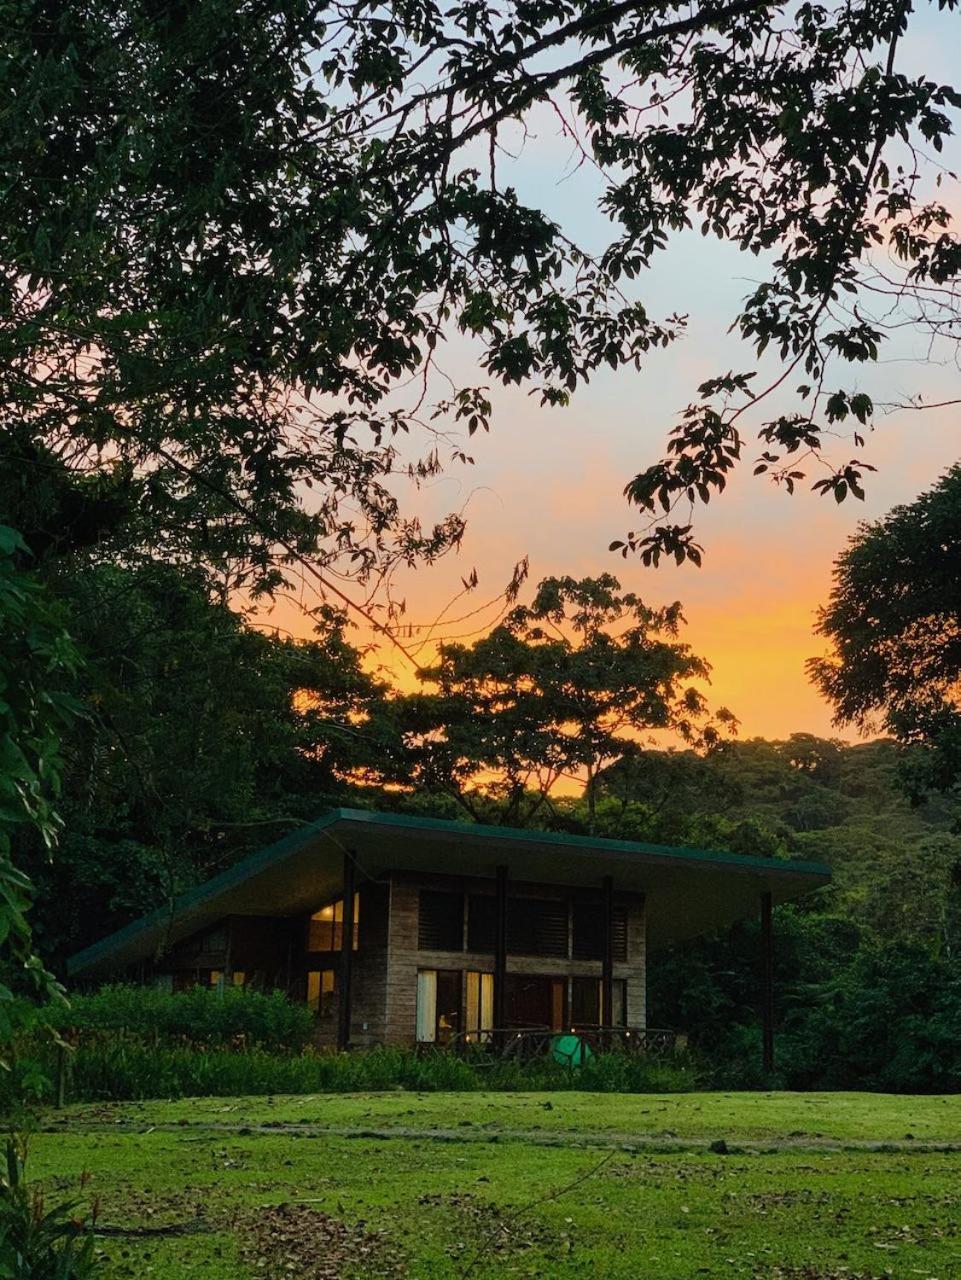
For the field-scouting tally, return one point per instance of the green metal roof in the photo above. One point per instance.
(304, 868)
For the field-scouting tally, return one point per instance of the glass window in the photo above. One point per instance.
(479, 1005)
(535, 1000)
(326, 930)
(448, 1004)
(427, 1006)
(322, 992)
(438, 1005)
(440, 921)
(586, 1002)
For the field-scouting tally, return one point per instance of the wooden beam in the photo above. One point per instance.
(607, 962)
(500, 949)
(767, 982)
(346, 955)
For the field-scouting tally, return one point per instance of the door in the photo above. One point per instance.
(534, 1000)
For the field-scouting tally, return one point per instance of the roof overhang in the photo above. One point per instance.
(688, 891)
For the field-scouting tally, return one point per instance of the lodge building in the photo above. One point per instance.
(454, 931)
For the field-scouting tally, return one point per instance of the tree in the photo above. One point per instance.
(232, 233)
(37, 661)
(561, 690)
(893, 622)
(202, 738)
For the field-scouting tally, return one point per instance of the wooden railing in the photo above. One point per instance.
(523, 1044)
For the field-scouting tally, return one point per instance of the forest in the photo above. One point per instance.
(200, 738)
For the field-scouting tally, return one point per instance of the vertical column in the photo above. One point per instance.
(500, 949)
(607, 962)
(346, 955)
(767, 982)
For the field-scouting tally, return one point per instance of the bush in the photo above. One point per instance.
(203, 1017)
(38, 1242)
(119, 1067)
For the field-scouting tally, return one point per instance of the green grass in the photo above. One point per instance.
(445, 1179)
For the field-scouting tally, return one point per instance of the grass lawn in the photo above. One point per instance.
(798, 1187)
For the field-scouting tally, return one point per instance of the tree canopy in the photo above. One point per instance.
(233, 237)
(563, 688)
(893, 622)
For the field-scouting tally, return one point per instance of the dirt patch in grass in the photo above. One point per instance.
(815, 1273)
(286, 1240)
(486, 1230)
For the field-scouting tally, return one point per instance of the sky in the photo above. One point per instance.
(547, 483)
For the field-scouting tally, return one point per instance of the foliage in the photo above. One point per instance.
(891, 1021)
(892, 620)
(202, 738)
(37, 1243)
(198, 1017)
(563, 688)
(866, 968)
(36, 660)
(231, 234)
(114, 1066)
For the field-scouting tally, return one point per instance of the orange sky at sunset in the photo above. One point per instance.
(548, 483)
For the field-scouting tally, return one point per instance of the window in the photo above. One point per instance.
(537, 927)
(481, 923)
(586, 1002)
(440, 921)
(479, 1005)
(326, 929)
(535, 1000)
(438, 1005)
(426, 1006)
(322, 992)
(588, 931)
(219, 979)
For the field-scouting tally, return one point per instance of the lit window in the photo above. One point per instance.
(479, 1010)
(438, 1005)
(327, 926)
(322, 992)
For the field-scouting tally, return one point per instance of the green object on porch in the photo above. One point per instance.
(570, 1050)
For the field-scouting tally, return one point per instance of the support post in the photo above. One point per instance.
(346, 955)
(767, 982)
(607, 962)
(500, 949)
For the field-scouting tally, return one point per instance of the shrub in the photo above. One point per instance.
(232, 1017)
(37, 1242)
(117, 1067)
